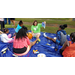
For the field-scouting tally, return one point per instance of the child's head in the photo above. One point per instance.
(72, 37)
(22, 32)
(35, 23)
(5, 30)
(21, 23)
(62, 27)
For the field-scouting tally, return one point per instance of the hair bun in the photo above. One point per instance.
(65, 25)
(20, 20)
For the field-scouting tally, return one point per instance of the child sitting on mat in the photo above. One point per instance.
(61, 36)
(6, 38)
(68, 49)
(21, 43)
(35, 28)
(19, 26)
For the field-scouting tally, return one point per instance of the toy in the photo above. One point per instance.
(4, 50)
(38, 41)
(29, 35)
(35, 51)
(43, 24)
(48, 44)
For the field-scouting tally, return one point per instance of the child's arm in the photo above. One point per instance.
(65, 45)
(57, 45)
(8, 39)
(57, 40)
(28, 41)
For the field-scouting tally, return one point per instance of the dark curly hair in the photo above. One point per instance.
(72, 35)
(22, 33)
(5, 30)
(63, 26)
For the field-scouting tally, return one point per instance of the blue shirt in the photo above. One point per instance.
(18, 28)
(58, 35)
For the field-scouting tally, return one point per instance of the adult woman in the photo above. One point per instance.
(21, 43)
(36, 28)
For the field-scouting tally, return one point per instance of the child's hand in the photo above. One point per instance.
(13, 37)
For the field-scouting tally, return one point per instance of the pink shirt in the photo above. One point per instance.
(24, 42)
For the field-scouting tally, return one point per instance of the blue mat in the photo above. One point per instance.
(42, 46)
